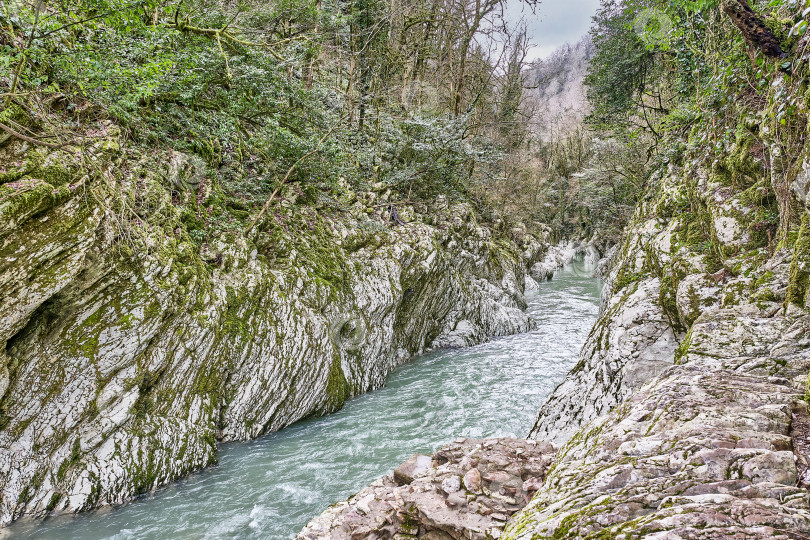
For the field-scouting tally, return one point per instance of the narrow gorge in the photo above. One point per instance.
(349, 270)
(273, 486)
(122, 372)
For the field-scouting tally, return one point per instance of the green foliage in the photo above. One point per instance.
(429, 156)
(700, 6)
(286, 92)
(620, 70)
(709, 100)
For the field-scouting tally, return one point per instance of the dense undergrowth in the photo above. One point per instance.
(727, 120)
(283, 100)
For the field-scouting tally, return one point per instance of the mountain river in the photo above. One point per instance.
(269, 488)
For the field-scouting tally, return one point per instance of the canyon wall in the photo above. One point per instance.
(128, 349)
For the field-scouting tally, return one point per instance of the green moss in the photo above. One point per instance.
(673, 204)
(55, 174)
(668, 300)
(767, 277)
(303, 241)
(55, 498)
(191, 221)
(781, 29)
(144, 404)
(625, 277)
(337, 388)
(739, 165)
(241, 305)
(22, 200)
(84, 340)
(683, 347)
(75, 454)
(30, 490)
(500, 251)
(799, 282)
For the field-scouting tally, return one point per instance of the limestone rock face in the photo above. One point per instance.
(687, 415)
(469, 491)
(556, 257)
(702, 451)
(661, 279)
(801, 185)
(127, 350)
(631, 342)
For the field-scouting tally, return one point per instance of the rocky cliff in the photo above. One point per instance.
(556, 92)
(467, 489)
(686, 416)
(128, 348)
(695, 423)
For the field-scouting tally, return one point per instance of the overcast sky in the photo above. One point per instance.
(555, 23)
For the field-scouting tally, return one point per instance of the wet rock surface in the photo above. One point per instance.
(466, 490)
(558, 256)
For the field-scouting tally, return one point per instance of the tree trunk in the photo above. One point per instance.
(753, 27)
(309, 66)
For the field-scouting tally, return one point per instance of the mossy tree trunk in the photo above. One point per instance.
(753, 28)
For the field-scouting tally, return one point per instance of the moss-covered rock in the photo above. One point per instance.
(798, 290)
(139, 330)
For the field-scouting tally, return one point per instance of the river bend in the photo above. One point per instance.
(269, 488)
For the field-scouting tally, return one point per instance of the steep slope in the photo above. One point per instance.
(707, 440)
(687, 415)
(128, 350)
(555, 90)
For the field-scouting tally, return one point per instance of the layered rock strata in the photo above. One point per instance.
(128, 348)
(705, 450)
(660, 281)
(687, 416)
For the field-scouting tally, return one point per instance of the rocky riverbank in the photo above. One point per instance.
(467, 489)
(694, 421)
(130, 347)
(686, 416)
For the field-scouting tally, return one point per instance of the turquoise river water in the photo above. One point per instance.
(269, 488)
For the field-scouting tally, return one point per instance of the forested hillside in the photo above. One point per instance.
(555, 90)
(583, 179)
(220, 218)
(423, 97)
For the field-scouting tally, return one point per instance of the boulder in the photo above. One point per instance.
(405, 473)
(437, 504)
